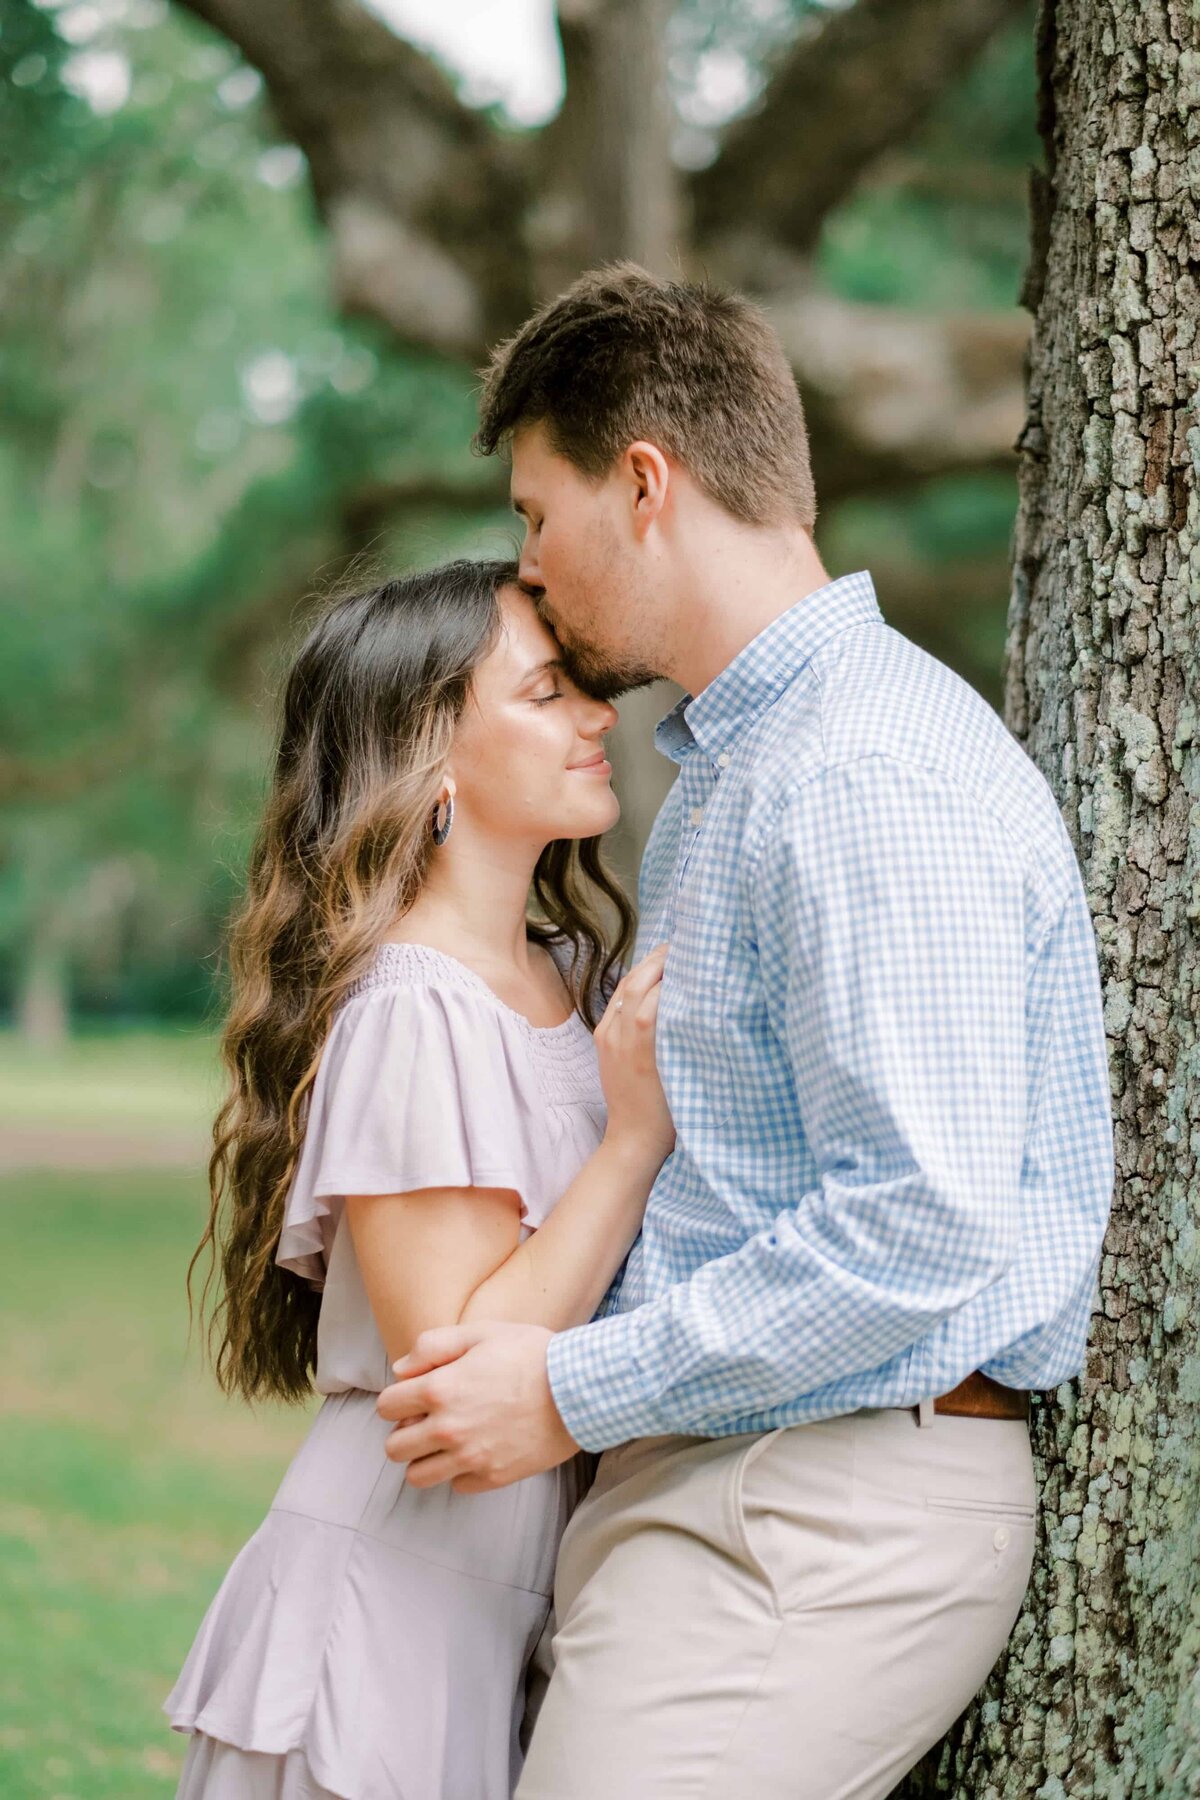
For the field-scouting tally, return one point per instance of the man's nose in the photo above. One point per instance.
(528, 570)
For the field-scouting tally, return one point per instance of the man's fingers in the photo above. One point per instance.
(411, 1417)
(439, 1346)
(473, 1484)
(409, 1399)
(410, 1442)
(431, 1471)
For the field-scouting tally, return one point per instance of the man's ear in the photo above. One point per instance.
(649, 479)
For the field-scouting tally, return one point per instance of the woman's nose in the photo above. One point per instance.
(606, 717)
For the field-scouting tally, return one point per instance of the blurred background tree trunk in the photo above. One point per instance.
(1099, 1694)
(43, 1003)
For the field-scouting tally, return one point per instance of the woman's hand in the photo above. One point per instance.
(637, 1106)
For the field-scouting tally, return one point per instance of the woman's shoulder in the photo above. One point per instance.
(402, 967)
(427, 1079)
(421, 1017)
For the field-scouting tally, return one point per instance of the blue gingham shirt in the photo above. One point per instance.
(880, 1036)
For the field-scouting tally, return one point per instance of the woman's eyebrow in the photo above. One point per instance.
(552, 662)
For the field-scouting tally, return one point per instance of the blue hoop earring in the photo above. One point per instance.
(442, 832)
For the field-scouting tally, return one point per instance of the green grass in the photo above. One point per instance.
(123, 1080)
(126, 1481)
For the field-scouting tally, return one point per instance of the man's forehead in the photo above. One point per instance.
(532, 453)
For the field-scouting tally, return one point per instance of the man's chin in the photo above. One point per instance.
(598, 676)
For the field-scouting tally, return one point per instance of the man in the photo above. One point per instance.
(881, 1039)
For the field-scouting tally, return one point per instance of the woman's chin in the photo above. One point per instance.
(593, 820)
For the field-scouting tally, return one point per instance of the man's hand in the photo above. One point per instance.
(473, 1406)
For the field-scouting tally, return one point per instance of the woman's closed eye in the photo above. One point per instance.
(545, 699)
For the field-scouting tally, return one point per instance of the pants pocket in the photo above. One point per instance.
(794, 1501)
(964, 1507)
(742, 1517)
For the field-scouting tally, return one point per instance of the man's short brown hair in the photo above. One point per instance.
(700, 372)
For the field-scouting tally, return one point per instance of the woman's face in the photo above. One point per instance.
(528, 757)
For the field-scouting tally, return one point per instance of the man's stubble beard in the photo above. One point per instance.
(599, 672)
(601, 676)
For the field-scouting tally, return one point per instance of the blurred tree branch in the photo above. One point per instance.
(850, 87)
(894, 396)
(369, 507)
(418, 190)
(447, 229)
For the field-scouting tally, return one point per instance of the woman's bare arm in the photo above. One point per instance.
(442, 1256)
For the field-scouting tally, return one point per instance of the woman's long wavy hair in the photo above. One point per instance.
(369, 715)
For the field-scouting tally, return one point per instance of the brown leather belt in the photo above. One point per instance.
(979, 1397)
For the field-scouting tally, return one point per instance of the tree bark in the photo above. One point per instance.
(1099, 1693)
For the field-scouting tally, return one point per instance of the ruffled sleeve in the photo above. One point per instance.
(419, 1086)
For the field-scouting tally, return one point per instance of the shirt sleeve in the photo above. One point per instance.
(889, 917)
(417, 1087)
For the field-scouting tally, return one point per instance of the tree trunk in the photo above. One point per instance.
(607, 190)
(606, 187)
(43, 1014)
(1099, 1695)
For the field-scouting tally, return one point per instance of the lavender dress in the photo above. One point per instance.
(370, 1641)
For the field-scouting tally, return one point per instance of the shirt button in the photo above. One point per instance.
(696, 815)
(1000, 1540)
(723, 760)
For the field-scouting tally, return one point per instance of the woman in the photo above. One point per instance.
(421, 1127)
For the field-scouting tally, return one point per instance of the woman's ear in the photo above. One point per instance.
(649, 480)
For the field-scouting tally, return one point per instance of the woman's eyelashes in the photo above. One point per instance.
(545, 699)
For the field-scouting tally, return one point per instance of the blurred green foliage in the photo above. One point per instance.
(181, 413)
(184, 420)
(945, 221)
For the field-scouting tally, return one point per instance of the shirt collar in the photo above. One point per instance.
(717, 716)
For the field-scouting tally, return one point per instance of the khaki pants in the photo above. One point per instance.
(794, 1616)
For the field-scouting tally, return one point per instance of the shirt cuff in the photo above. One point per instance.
(597, 1384)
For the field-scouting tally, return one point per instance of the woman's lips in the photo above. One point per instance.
(599, 765)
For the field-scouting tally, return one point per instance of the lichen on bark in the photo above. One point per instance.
(1098, 1694)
